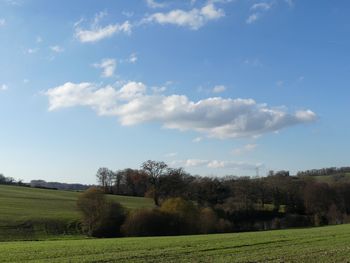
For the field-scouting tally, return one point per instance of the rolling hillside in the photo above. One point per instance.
(32, 213)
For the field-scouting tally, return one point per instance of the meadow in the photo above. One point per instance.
(322, 244)
(32, 213)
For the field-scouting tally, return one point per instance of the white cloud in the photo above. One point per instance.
(214, 117)
(252, 18)
(13, 2)
(108, 66)
(2, 22)
(254, 62)
(290, 2)
(128, 14)
(257, 10)
(154, 4)
(245, 149)
(96, 32)
(219, 89)
(280, 83)
(57, 49)
(38, 39)
(4, 87)
(31, 50)
(132, 58)
(216, 164)
(193, 19)
(159, 89)
(261, 6)
(197, 139)
(99, 33)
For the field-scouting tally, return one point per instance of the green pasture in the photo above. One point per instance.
(322, 244)
(32, 213)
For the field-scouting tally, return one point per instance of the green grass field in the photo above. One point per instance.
(31, 213)
(344, 178)
(323, 244)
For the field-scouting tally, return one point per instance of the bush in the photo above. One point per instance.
(186, 212)
(208, 221)
(100, 217)
(150, 222)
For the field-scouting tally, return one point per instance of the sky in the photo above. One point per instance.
(218, 87)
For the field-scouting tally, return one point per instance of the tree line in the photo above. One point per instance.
(187, 204)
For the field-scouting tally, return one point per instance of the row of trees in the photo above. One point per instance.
(10, 180)
(176, 216)
(325, 171)
(275, 201)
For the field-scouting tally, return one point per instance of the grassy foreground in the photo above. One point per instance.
(323, 244)
(32, 213)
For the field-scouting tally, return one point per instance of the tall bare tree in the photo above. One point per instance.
(155, 170)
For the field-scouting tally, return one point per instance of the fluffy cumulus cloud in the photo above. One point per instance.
(216, 164)
(108, 66)
(96, 32)
(193, 19)
(213, 117)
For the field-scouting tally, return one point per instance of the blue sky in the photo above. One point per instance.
(219, 87)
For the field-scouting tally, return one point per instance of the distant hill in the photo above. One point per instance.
(57, 185)
(31, 213)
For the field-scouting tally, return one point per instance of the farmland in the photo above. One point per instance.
(323, 244)
(31, 213)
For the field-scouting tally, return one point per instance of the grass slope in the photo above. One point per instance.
(31, 213)
(325, 244)
(343, 178)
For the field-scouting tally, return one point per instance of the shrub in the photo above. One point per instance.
(100, 217)
(208, 221)
(186, 213)
(150, 222)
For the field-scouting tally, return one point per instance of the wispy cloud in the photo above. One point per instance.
(2, 22)
(252, 18)
(245, 149)
(216, 164)
(214, 117)
(197, 139)
(290, 2)
(133, 58)
(108, 66)
(154, 4)
(254, 62)
(96, 32)
(57, 49)
(258, 9)
(3, 87)
(261, 6)
(219, 89)
(31, 50)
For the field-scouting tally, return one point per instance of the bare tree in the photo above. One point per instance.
(105, 178)
(155, 170)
